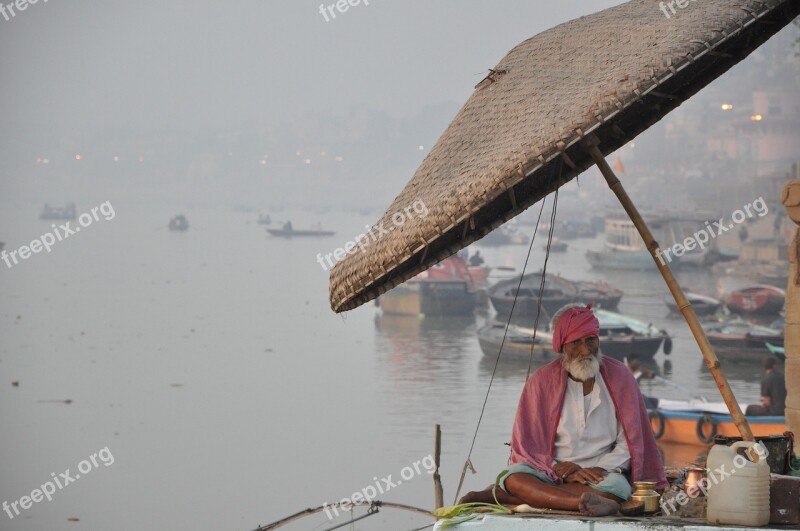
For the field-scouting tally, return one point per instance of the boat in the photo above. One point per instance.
(264, 219)
(698, 422)
(444, 289)
(517, 344)
(557, 246)
(624, 249)
(504, 236)
(287, 231)
(739, 340)
(761, 299)
(620, 337)
(58, 213)
(178, 223)
(557, 292)
(701, 304)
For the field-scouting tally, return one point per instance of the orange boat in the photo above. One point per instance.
(700, 425)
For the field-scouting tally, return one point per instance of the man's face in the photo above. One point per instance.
(580, 357)
(580, 348)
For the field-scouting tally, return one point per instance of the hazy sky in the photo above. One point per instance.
(85, 65)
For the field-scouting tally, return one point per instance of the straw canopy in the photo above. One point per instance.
(523, 133)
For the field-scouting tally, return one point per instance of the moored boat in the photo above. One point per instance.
(739, 340)
(444, 289)
(557, 292)
(696, 422)
(620, 337)
(701, 304)
(761, 300)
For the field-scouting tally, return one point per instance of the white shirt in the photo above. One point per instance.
(588, 432)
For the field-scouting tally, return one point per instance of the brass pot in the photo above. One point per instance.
(646, 494)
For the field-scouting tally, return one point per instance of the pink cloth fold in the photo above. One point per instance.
(539, 411)
(575, 323)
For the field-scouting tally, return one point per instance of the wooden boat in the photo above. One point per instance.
(557, 292)
(62, 213)
(620, 337)
(517, 344)
(557, 246)
(701, 304)
(697, 422)
(178, 223)
(739, 340)
(444, 289)
(287, 231)
(761, 299)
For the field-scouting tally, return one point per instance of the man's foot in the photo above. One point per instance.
(594, 505)
(482, 496)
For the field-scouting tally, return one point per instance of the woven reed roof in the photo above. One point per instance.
(523, 132)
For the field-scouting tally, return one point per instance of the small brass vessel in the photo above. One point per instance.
(646, 494)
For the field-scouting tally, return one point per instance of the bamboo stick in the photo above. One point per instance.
(438, 492)
(683, 304)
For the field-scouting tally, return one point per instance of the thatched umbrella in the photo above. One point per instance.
(554, 106)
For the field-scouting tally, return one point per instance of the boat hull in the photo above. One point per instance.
(683, 427)
(430, 297)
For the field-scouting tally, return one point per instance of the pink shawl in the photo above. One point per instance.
(539, 410)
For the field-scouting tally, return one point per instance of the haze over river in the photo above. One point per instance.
(210, 365)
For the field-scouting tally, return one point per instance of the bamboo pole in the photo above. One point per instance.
(683, 304)
(438, 492)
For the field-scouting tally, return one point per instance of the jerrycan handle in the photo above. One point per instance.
(753, 454)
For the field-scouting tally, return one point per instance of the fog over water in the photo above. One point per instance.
(208, 363)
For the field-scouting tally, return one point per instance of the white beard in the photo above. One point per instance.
(583, 368)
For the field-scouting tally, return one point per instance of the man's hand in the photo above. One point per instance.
(587, 475)
(766, 402)
(564, 469)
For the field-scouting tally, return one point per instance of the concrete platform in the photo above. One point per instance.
(608, 523)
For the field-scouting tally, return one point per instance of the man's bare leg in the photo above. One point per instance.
(486, 496)
(569, 496)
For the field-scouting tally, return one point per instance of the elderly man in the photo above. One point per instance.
(581, 434)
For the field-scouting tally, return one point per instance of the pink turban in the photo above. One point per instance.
(575, 323)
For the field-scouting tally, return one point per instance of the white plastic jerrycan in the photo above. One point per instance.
(738, 488)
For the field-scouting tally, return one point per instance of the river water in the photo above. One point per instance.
(210, 366)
